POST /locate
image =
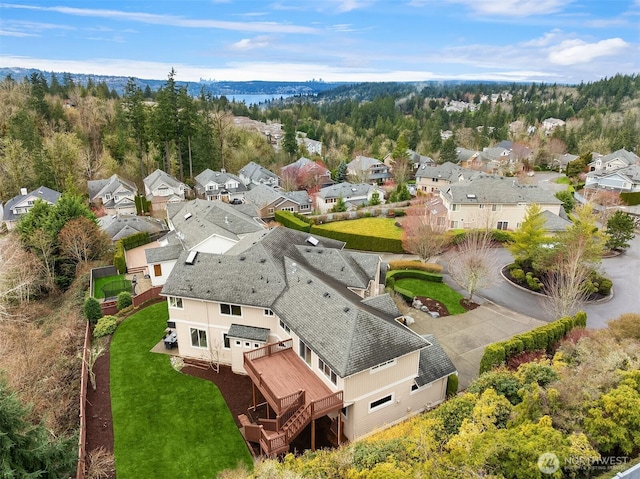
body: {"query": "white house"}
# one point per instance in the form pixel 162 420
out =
pixel 306 321
pixel 353 194
pixel 115 194
pixel 20 205
pixel 219 185
pixel 161 188
pixel 253 174
pixel 364 169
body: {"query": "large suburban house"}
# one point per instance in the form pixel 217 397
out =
pixel 313 147
pixel 306 173
pixel 219 185
pixel 18 206
pixel 309 323
pixel 118 227
pixel 253 174
pixel 202 226
pixel 353 194
pixel 617 171
pixel 432 179
pixel 614 161
pixel 268 200
pixel 417 160
pixel 488 201
pixel 364 169
pixel 116 195
pixel 161 188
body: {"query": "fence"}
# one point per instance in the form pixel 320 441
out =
pixel 154 292
pixel 84 378
pixel 100 273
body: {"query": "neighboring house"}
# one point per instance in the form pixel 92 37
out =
pixel 313 147
pixel 253 174
pixel 469 159
pixel 364 169
pixel 268 200
pixel 431 179
pixel 20 205
pixel 161 188
pixel 614 161
pixel 219 185
pixel 494 202
pixel 117 227
pixel 551 123
pixel 204 226
pixel 115 194
pixel 306 321
pixel 417 160
pixel 626 179
pixel 561 162
pixel 305 174
pixel 353 194
pixel 554 223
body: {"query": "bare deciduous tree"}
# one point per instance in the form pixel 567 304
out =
pixel 475 266
pixel 81 240
pixel 565 290
pixel 424 230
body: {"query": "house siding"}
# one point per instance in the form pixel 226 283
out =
pixel 472 216
pixel 362 383
pixel 166 268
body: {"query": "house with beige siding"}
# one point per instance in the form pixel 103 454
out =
pixel 310 324
pixel 161 188
pixel 353 194
pixel 430 179
pixel 489 201
pixel 115 194
pixel 268 200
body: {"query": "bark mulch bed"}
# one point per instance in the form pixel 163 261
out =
pixel 440 308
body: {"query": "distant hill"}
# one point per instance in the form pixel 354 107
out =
pixel 216 88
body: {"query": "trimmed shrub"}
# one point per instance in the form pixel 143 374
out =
pixel 517 274
pixel 399 213
pixel 124 300
pixel 502 236
pixel 92 310
pixel 631 199
pixel 390 282
pixel 411 273
pixel 452 385
pixel 605 286
pixel 361 242
pixel 287 218
pixel 580 320
pixel 119 259
pixel 405 293
pixel 533 282
pixel 494 355
pixel 106 326
pixel 411 264
pixel 537 372
pixel 513 346
pixel 501 381
pixel 136 240
pixel 527 340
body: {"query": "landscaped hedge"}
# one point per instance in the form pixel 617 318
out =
pixel 361 242
pixel 287 218
pixel 119 259
pixel 499 236
pixel 412 273
pixel 135 240
pixel 452 385
pixel 415 264
pixel 541 338
pixel 630 198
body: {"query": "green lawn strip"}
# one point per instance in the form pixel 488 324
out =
pixel 100 282
pixel 562 180
pixel 382 227
pixel 166 424
pixel 439 291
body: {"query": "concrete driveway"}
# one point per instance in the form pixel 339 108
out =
pixel 464 336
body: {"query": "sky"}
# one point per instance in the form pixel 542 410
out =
pixel 553 41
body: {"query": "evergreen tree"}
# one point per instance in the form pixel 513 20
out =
pixel 28 450
pixel 620 230
pixel 289 143
pixel 340 206
pixel 529 237
pixel 341 172
pixel 448 151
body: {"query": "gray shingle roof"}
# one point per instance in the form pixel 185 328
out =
pixel 159 176
pixel 384 303
pixel 248 332
pixel 489 189
pixel 263 195
pixel 553 222
pixel 434 362
pixel 121 226
pixel 208 218
pixel 43 193
pixel 164 253
pixel 257 173
pixel 340 330
pixel 447 171
pixel 346 190
pixel 220 178
pixel 98 188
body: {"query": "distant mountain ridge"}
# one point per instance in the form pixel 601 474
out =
pixel 216 88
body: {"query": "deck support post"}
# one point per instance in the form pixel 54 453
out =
pixel 253 393
pixel 339 427
pixel 313 434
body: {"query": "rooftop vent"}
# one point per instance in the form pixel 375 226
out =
pixel 471 196
pixel 346 309
pixel 326 295
pixel 242 258
pixel 187 216
pixel 262 261
pixel 309 281
pixel 312 241
pixel 191 258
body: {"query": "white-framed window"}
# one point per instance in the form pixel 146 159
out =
pixel 304 207
pixel 107 196
pixel 455 207
pixel 481 206
pixel 270 211
pixel 175 302
pixel 230 309
pixel 385 365
pixel 327 371
pixel 226 341
pixel 305 352
pixel 503 225
pixel 330 200
pixel 380 403
pixel 415 387
pixel 198 338
pixel 454 224
pixel 237 343
pixel 288 208
pixel 496 207
pixel 247 344
pixel 268 312
pixel 256 345
pixel 286 328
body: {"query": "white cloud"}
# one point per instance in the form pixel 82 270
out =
pixel 544 40
pixel 251 43
pixel 513 8
pixel 172 20
pixel 571 52
pixel 13 33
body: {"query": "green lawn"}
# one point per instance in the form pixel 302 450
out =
pixel 382 227
pixel 166 424
pixel 439 291
pixel 100 282
pixel 562 180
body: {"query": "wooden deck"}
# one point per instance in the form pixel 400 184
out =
pixel 292 390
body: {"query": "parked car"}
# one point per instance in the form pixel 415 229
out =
pixel 236 201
